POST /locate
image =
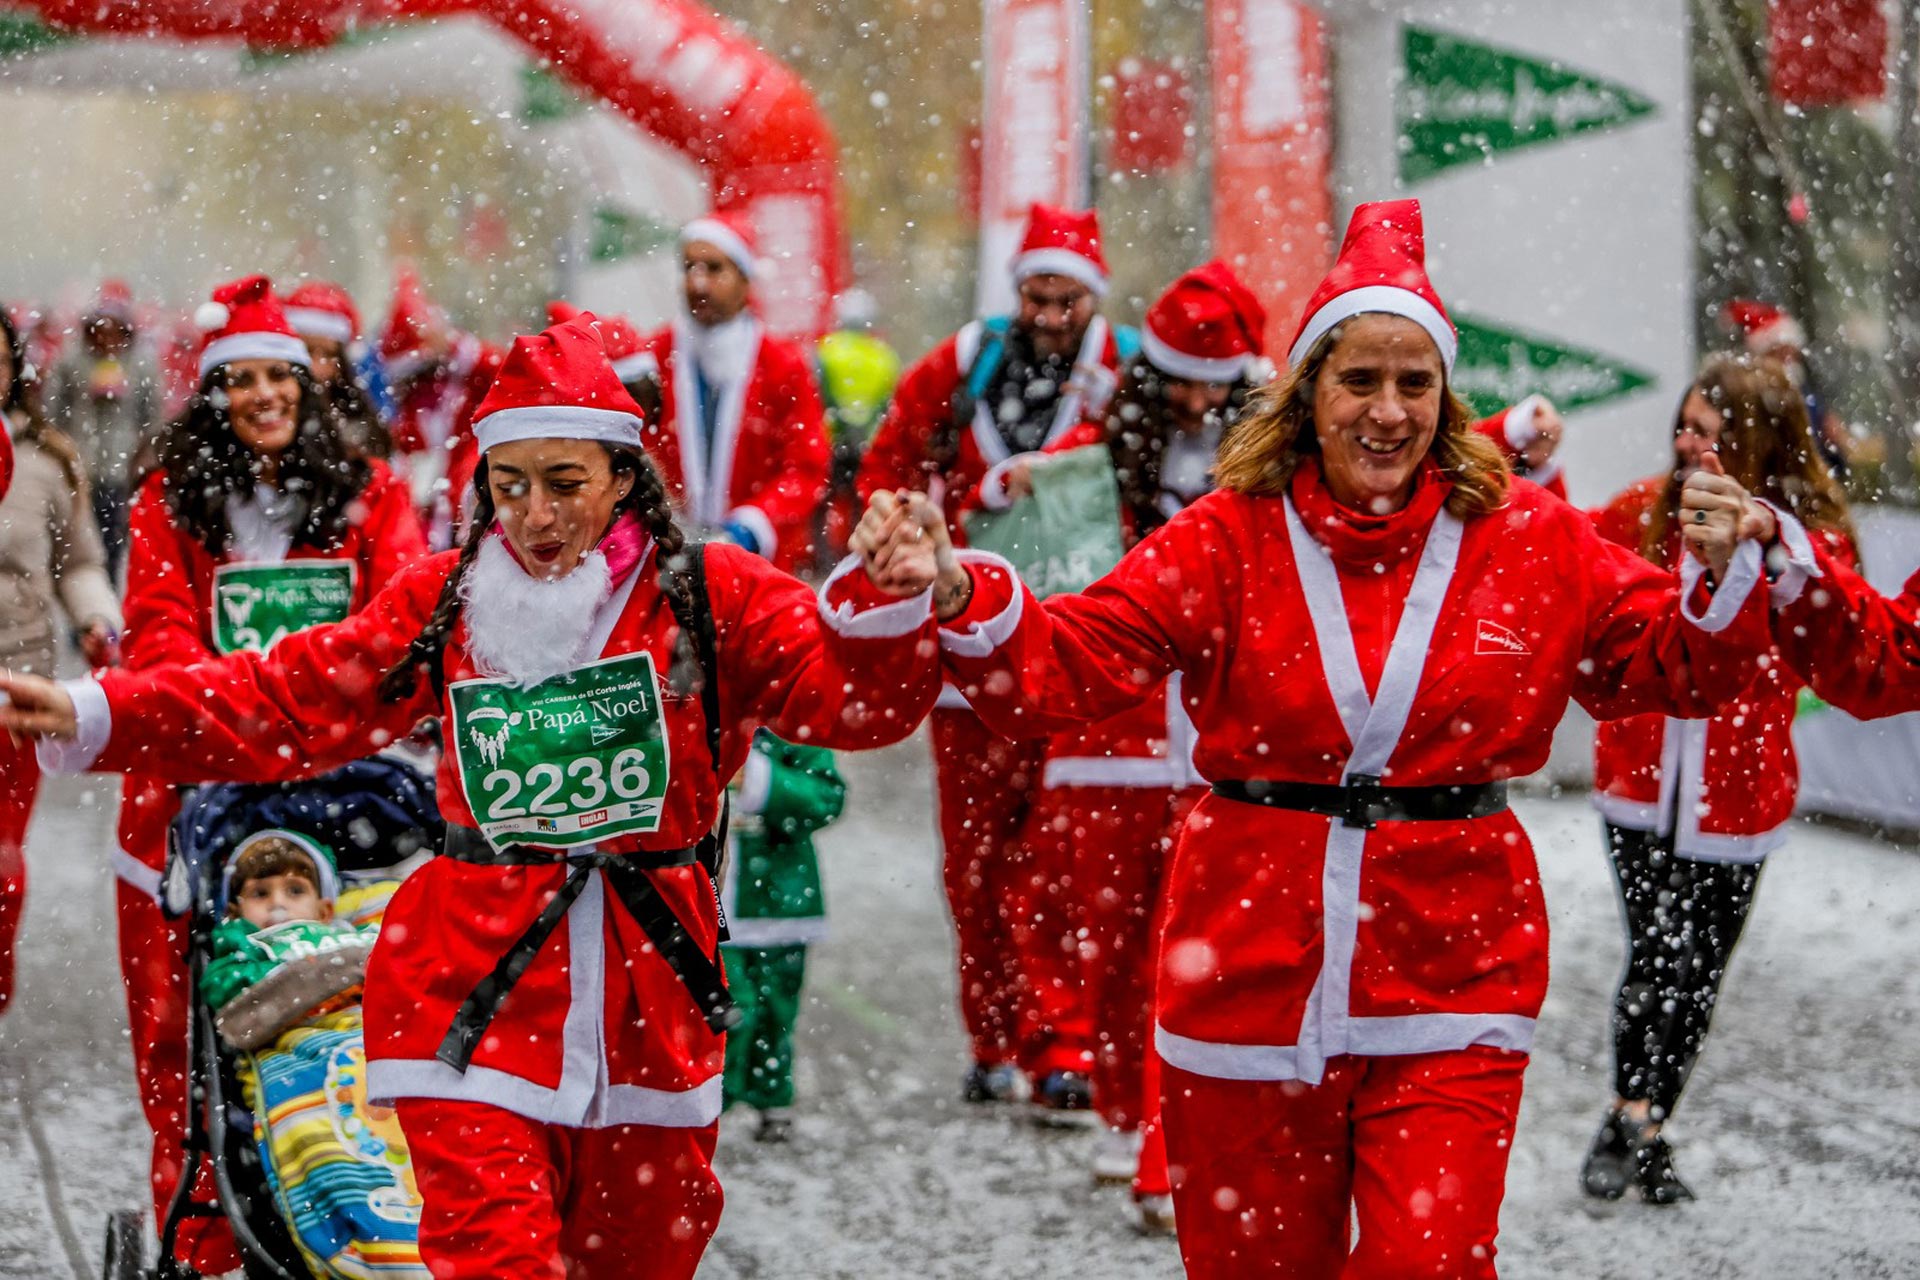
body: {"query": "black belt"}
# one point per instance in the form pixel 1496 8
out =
pixel 1362 802
pixel 699 972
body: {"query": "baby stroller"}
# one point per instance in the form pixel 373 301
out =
pixel 375 814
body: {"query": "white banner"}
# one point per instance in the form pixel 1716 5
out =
pixel 1033 129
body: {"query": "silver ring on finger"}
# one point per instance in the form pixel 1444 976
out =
pixel 1699 516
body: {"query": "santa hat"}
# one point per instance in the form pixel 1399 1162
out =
pixel 1765 326
pixel 413 320
pixel 729 231
pixel 625 347
pixel 1382 267
pixel 244 322
pixel 558 385
pixel 1062 242
pixel 1207 327
pixel 318 309
pixel 114 303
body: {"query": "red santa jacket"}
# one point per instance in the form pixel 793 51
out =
pixel 599 1031
pixel 1512 434
pixel 433 446
pixel 1859 650
pixel 1420 649
pixel 770 446
pixel 923 403
pixel 170 619
pixel 1723 788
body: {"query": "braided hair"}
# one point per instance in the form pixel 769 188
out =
pixel 1139 432
pixel 647 500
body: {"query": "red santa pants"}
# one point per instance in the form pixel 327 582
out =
pixel 1122 839
pixel 509 1196
pixel 153 968
pixel 1266 1172
pixel 19 784
pixel 985 786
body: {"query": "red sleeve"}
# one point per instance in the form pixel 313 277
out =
pixel 1858 649
pixel 394 539
pixel 165 620
pixel 307 705
pixel 1495 429
pixel 851 668
pixel 897 458
pixel 797 475
pixel 1030 669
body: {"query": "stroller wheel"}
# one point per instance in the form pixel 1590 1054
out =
pixel 126 1246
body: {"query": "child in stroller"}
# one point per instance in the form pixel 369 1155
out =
pixel 312 1177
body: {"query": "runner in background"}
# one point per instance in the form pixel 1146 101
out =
pixel 999 387
pixel 858 371
pixel 740 435
pixel 1529 434
pixel 324 316
pixel 1771 333
pixel 1692 808
pixel 255 525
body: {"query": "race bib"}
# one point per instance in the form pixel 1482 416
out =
pixel 256 605
pixel 578 758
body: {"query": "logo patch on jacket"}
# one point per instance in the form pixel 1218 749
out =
pixel 1490 637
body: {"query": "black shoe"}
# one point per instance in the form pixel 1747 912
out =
pixel 776 1127
pixel 989 1082
pixel 1063 1098
pixel 1609 1169
pixel 1653 1173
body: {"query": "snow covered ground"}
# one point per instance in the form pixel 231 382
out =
pixel 1800 1133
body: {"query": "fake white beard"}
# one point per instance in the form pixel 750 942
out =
pixel 530 629
pixel 723 350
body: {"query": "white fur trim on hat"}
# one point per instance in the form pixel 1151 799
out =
pixel 254 346
pixel 640 364
pixel 557 422
pixel 1784 331
pixel 1060 262
pixel 1179 364
pixel 1387 298
pixel 722 237
pixel 312 322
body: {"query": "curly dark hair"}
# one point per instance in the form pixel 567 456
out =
pixel 1139 432
pixel 647 499
pixel 205 463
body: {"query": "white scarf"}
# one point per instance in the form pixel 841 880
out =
pixel 724 352
pixel 530 629
pixel 260 526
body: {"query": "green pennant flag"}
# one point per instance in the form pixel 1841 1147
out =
pixel 545 97
pixel 22 35
pixel 620 233
pixel 1461 101
pixel 1499 366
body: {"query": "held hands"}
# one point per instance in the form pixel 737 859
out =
pixel 35 707
pixel 903 544
pixel 1716 514
pixel 100 646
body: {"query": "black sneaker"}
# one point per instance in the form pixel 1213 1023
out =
pixel 776 1127
pixel 1653 1173
pixel 1609 1169
pixel 990 1082
pixel 1063 1098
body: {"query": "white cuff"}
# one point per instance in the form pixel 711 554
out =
pixel 979 639
pixel 875 622
pixel 993 485
pixel 1791 561
pixel 1729 596
pixel 756 784
pixel 1520 427
pixel 93 726
pixel 758 525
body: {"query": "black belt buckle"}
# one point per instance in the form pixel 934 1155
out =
pixel 1363 801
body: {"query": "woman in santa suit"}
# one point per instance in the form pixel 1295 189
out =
pixel 257 523
pixel 1692 808
pixel 1376 627
pixel 544 1002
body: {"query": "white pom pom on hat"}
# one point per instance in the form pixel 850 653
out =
pixel 209 316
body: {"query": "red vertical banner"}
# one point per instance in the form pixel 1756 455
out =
pixel 1272 152
pixel 1827 52
pixel 1034 127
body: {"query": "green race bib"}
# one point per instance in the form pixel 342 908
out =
pixel 578 758
pixel 256 605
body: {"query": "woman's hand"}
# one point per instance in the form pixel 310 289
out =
pixel 1716 513
pixel 99 645
pixel 35 707
pixel 893 545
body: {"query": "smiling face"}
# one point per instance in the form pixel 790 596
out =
pixel 263 403
pixel 1376 408
pixel 1056 311
pixel 554 499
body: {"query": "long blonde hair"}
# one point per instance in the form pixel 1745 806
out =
pixel 1263 449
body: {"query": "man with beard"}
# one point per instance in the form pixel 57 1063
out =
pixel 740 435
pixel 1001 386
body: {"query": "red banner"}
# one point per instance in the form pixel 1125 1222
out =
pixel 1152 116
pixel 1827 52
pixel 1034 128
pixel 1272 152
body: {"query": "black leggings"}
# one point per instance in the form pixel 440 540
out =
pixel 1682 918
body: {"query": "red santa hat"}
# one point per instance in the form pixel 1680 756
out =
pixel 728 230
pixel 625 346
pixel 1382 267
pixel 1207 327
pixel 1764 326
pixel 244 321
pixel 1062 242
pixel 558 385
pixel 320 309
pixel 115 302
pixel 413 322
